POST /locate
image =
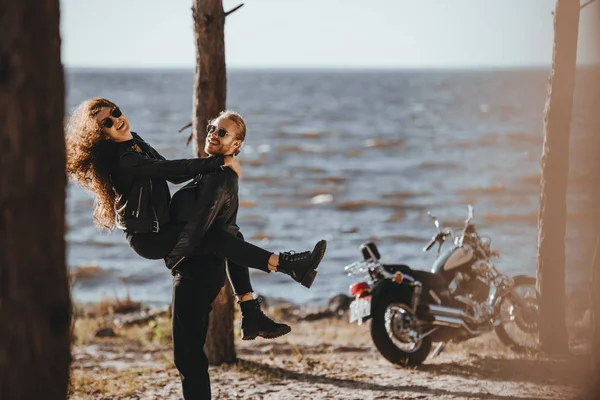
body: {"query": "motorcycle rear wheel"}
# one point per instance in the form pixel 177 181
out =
pixel 385 340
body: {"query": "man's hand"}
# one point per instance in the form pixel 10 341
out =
pixel 234 165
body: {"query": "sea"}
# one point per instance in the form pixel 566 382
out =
pixel 348 156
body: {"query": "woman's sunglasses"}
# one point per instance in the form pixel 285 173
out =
pixel 108 122
pixel 220 133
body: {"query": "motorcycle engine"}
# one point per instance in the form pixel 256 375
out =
pixel 470 286
pixel 477 290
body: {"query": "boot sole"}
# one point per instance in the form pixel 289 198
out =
pixel 266 335
pixel 311 274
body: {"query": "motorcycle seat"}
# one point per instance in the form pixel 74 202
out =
pixel 431 280
pixel 393 268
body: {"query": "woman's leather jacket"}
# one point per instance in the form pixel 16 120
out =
pixel 139 175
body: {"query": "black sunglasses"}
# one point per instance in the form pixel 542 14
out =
pixel 221 133
pixel 108 122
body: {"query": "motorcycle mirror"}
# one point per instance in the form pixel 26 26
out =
pixel 470 214
pixel 435 220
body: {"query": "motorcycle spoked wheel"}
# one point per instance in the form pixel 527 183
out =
pixel 525 321
pixel 391 334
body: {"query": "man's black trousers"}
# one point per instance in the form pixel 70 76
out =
pixel 196 284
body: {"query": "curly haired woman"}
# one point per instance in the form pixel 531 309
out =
pixel 128 179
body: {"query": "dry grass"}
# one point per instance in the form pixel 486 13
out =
pixel 154 333
pixel 86 272
pixel 114 384
pixel 85 329
pixel 90 318
pixel 160 332
pixel 110 307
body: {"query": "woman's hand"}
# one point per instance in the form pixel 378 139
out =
pixel 234 165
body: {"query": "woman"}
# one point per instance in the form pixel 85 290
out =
pixel 128 179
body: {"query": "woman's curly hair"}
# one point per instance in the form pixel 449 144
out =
pixel 88 159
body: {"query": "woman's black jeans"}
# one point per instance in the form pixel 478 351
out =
pixel 239 253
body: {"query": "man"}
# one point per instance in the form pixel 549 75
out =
pixel 199 269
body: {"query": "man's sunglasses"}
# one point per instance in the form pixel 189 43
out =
pixel 108 122
pixel 220 133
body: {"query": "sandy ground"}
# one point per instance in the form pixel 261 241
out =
pixel 329 359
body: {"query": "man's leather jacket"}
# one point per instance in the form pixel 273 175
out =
pixel 139 175
pixel 215 205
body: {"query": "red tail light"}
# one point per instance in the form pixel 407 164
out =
pixel 358 288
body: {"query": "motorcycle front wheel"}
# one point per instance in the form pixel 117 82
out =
pixel 394 333
pixel 519 316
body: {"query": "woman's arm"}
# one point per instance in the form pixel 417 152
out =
pixel 229 161
pixel 184 169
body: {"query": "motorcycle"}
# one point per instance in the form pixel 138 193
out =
pixel 463 296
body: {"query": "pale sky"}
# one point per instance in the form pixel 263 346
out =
pixel 319 33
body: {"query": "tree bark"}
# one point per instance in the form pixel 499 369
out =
pixel 593 90
pixel 220 347
pixel 210 82
pixel 555 170
pixel 35 305
pixel 210 86
pixel 595 307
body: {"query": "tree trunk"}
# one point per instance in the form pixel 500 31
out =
pixel 593 90
pixel 595 307
pixel 210 82
pixel 555 170
pixel 35 305
pixel 210 85
pixel 220 346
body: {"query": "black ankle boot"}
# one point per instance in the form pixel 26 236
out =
pixel 256 323
pixel 301 266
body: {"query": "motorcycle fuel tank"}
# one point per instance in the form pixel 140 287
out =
pixel 452 258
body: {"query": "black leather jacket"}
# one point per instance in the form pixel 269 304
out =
pixel 215 204
pixel 139 175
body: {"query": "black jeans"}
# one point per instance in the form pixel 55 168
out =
pixel 239 253
pixel 195 285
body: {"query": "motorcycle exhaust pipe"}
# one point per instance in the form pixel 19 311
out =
pixel 448 312
pixel 451 322
pixel 445 311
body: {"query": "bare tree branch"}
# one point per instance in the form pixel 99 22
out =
pixel 240 6
pixel 185 127
pixel 587 3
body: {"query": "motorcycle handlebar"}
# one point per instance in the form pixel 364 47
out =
pixel 430 244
